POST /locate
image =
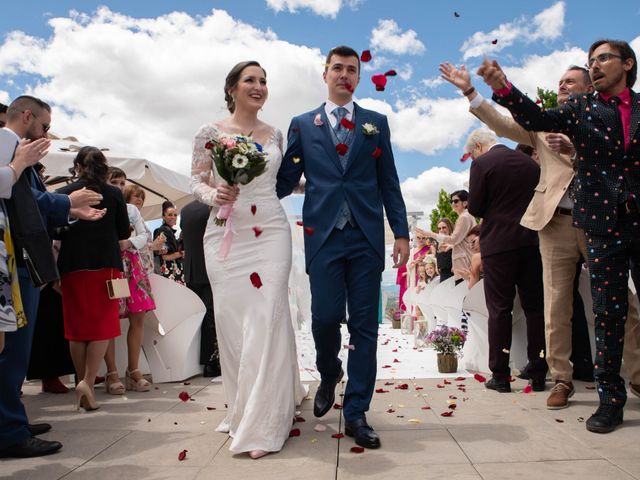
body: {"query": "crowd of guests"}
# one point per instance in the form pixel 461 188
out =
pixel 74 263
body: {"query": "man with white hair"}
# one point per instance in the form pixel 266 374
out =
pixel 501 185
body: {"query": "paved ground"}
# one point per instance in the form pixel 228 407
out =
pixel 489 436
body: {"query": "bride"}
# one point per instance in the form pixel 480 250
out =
pixel 253 323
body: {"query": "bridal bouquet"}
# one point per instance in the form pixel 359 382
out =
pixel 238 160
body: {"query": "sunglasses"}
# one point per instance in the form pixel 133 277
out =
pixel 422 238
pixel 45 126
pixel 455 201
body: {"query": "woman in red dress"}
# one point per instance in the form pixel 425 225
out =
pixel 89 258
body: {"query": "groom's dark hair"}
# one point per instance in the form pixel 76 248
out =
pixel 342 51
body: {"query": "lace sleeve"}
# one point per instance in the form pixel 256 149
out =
pixel 279 140
pixel 202 176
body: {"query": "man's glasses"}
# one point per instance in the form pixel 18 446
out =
pixel 602 58
pixel 45 126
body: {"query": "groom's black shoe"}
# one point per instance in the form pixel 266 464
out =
pixel 362 433
pixel 326 395
pixel 605 419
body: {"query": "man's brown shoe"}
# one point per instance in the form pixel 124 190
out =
pixel 635 389
pixel 560 394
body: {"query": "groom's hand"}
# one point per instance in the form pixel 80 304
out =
pixel 400 252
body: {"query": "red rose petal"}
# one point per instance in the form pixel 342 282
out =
pixel 342 148
pixel 394 350
pixel 208 146
pixel 465 157
pixel 309 230
pixel 460 379
pixel 389 383
pixel 379 80
pixel 299 223
pixel 419 388
pixel 211 408
pixel 511 379
pixel 349 87
pixel 446 382
pixel 257 231
pixel 184 396
pixel 377 152
pixel 453 397
pixel 538 101
pixel 182 455
pixel 365 56
pixel 255 280
pixel 295 432
pixel 391 410
pixel 479 378
pixel 527 389
pixel 402 386
pixel 253 209
pixel 440 386
pixel 357 449
pixel 559 420
pixel 381 390
pixel 495 42
pixel 337 435
pixel 299 419
pixel 426 407
pixel 386 366
pixel 347 124
pixel 395 360
pixel 448 413
pixel 337 406
pixel 390 73
pixel 452 406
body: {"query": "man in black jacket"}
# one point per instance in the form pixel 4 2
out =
pixel 193 223
pixel 604 129
pixel 501 185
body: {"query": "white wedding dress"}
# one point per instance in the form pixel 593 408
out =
pixel 255 333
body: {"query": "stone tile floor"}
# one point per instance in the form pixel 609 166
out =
pixel 489 436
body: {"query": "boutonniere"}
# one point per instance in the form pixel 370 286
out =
pixel 317 121
pixel 370 129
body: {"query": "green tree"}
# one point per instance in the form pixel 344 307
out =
pixel 443 210
pixel 547 98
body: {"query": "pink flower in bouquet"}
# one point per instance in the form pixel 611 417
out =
pixel 228 143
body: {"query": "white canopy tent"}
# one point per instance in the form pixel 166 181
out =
pixel 159 183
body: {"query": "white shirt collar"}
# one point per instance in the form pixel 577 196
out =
pixel 329 107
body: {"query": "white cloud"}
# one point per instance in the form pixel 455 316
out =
pixel 4 97
pixel 145 86
pixel 325 8
pixel 421 192
pixel 387 36
pixel 405 72
pixel 377 63
pixel 426 125
pixel 433 82
pixel 547 25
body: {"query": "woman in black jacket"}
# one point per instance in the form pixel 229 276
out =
pixel 89 259
pixel 171 258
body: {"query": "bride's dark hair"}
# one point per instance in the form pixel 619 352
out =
pixel 233 77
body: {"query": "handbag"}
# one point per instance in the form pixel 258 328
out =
pixel 118 288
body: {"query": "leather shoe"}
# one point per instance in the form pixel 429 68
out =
pixel 31 447
pixel 38 428
pixel 211 370
pixel 605 419
pixel 326 395
pixel 537 384
pixel 502 386
pixel 362 433
pixel 525 373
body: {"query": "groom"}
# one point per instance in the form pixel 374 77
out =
pixel 345 154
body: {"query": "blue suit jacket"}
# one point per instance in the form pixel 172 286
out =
pixel 367 183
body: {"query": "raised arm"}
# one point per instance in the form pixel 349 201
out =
pixel 524 110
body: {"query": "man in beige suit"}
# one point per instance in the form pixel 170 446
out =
pixel 549 213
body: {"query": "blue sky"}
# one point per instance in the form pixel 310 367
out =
pixel 418 112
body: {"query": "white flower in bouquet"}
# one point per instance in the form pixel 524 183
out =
pixel 239 161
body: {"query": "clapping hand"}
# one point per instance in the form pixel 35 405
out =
pixel 492 74
pixel 87 213
pixel 458 77
pixel 29 153
pixel 560 143
pixel 84 198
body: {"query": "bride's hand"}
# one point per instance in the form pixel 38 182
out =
pixel 227 194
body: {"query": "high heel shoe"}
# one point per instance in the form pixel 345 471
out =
pixel 85 398
pixel 141 385
pixel 114 388
pixel 255 454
